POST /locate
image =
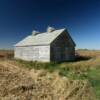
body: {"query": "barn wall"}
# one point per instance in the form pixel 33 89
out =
pixel 33 53
pixel 70 53
pixel 62 49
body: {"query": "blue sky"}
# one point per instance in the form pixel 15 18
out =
pixel 81 17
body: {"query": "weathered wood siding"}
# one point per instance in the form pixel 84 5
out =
pixel 33 53
pixel 62 49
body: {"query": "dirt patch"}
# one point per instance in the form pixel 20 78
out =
pixel 20 84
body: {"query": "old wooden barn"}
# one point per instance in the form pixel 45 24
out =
pixel 52 45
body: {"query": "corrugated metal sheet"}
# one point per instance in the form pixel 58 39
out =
pixel 40 39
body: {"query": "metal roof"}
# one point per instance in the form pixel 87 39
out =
pixel 40 39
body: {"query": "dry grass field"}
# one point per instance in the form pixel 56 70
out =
pixel 6 54
pixel 77 80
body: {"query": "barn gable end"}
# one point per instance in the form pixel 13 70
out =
pixel 62 48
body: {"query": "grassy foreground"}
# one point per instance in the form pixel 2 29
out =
pixel 86 67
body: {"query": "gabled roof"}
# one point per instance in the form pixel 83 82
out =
pixel 40 39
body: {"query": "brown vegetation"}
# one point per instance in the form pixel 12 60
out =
pixel 21 84
pixel 5 54
pixel 20 80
